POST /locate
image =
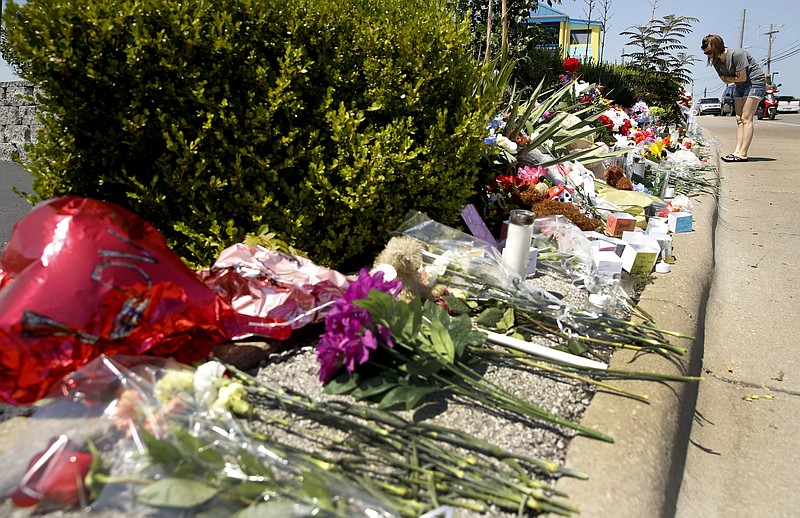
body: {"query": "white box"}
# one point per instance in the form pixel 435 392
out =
pixel 639 258
pixel 657 226
pixel 639 238
pixel 680 222
pixel 608 263
pixel 601 241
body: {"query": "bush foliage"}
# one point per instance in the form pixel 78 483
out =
pixel 325 120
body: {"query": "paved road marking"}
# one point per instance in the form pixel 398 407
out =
pixel 784 123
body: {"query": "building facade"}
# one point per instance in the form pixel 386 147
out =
pixel 575 37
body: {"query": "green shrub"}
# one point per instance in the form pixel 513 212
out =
pixel 325 120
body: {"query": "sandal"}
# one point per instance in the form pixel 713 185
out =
pixel 733 158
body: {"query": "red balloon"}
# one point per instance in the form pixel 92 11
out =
pixel 81 277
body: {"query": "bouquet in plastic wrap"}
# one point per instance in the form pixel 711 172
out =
pixel 472 270
pixel 149 437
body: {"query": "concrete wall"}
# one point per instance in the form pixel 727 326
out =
pixel 18 124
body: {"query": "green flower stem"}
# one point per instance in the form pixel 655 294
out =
pixel 404 437
pixel 521 358
pixel 491 394
pixel 548 329
pixel 646 376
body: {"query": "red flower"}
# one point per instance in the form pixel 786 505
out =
pixel 507 182
pixel 54 475
pixel 571 64
pixel 607 121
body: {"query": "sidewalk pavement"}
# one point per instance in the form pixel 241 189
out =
pixel 639 475
pixel 743 454
pixel 711 449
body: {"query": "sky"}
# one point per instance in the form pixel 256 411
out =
pixel 723 17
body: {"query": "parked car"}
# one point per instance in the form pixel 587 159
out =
pixel 727 101
pixel 788 104
pixel 709 106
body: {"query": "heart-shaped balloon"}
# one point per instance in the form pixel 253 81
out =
pixel 79 278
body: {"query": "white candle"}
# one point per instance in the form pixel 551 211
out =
pixel 543 352
pixel 517 250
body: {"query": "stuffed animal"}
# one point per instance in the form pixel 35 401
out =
pixel 616 178
pixel 404 253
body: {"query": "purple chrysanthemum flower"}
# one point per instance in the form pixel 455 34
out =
pixel 350 335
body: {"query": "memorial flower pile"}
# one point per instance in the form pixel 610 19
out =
pixel 405 351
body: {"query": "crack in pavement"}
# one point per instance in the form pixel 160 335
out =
pixel 753 385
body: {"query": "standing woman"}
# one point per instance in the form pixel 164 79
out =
pixel 737 66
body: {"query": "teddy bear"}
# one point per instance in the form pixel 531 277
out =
pixel 615 177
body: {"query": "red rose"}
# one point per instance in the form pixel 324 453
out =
pixel 571 64
pixel 54 475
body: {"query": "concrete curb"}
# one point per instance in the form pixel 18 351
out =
pixel 641 473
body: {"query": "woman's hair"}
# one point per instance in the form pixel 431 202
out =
pixel 713 43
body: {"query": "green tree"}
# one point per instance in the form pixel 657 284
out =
pixel 658 46
pixel 658 63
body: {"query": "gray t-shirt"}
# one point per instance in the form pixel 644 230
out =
pixel 737 59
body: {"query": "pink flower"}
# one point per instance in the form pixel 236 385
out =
pixel 530 175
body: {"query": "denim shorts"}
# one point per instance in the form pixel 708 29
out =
pixel 756 90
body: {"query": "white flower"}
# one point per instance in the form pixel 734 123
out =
pixel 580 87
pixel 681 202
pixel 174 383
pixel 507 144
pixel 232 397
pixel 206 380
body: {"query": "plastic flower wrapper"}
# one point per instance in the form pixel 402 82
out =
pixel 563 245
pixel 471 263
pixel 265 283
pixel 129 437
pixel 82 277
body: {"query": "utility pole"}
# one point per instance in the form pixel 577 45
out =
pixel 741 30
pixel 769 48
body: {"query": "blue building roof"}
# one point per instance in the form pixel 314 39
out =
pixel 545 14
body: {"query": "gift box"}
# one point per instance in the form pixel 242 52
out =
pixel 657 225
pixel 602 242
pixel 619 222
pixel 680 222
pixel 608 263
pixel 639 258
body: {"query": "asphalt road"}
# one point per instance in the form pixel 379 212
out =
pixel 13 207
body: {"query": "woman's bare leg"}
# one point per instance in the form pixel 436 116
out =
pixel 744 133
